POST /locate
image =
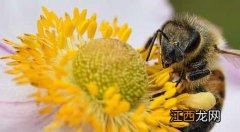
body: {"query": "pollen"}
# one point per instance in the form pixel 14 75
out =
pixel 111 63
pixel 114 103
pixel 92 89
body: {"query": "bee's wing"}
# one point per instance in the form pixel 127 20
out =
pixel 232 56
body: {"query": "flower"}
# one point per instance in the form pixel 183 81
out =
pixel 100 83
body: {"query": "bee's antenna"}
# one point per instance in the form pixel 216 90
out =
pixel 153 40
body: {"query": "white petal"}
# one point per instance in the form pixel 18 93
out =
pixel 8 89
pixel 22 117
pixel 231 107
pixel 143 16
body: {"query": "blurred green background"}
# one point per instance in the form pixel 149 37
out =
pixel 225 14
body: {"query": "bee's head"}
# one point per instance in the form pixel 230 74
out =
pixel 177 41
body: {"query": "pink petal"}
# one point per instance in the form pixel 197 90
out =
pixel 21 117
pixel 4 49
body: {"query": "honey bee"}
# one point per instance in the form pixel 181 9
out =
pixel 192 45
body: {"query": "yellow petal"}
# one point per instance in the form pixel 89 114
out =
pixel 83 27
pixel 92 29
pixel 142 127
pixel 171 102
pixel 162 79
pixel 168 85
pixel 124 37
pixel 170 92
pixel 161 130
pixel 157 102
pixel 151 121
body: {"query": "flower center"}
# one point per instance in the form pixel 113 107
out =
pixel 109 62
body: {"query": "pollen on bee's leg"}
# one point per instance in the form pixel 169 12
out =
pixel 202 100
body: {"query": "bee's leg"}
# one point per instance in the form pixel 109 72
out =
pixel 181 77
pixel 195 75
pixel 217 88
